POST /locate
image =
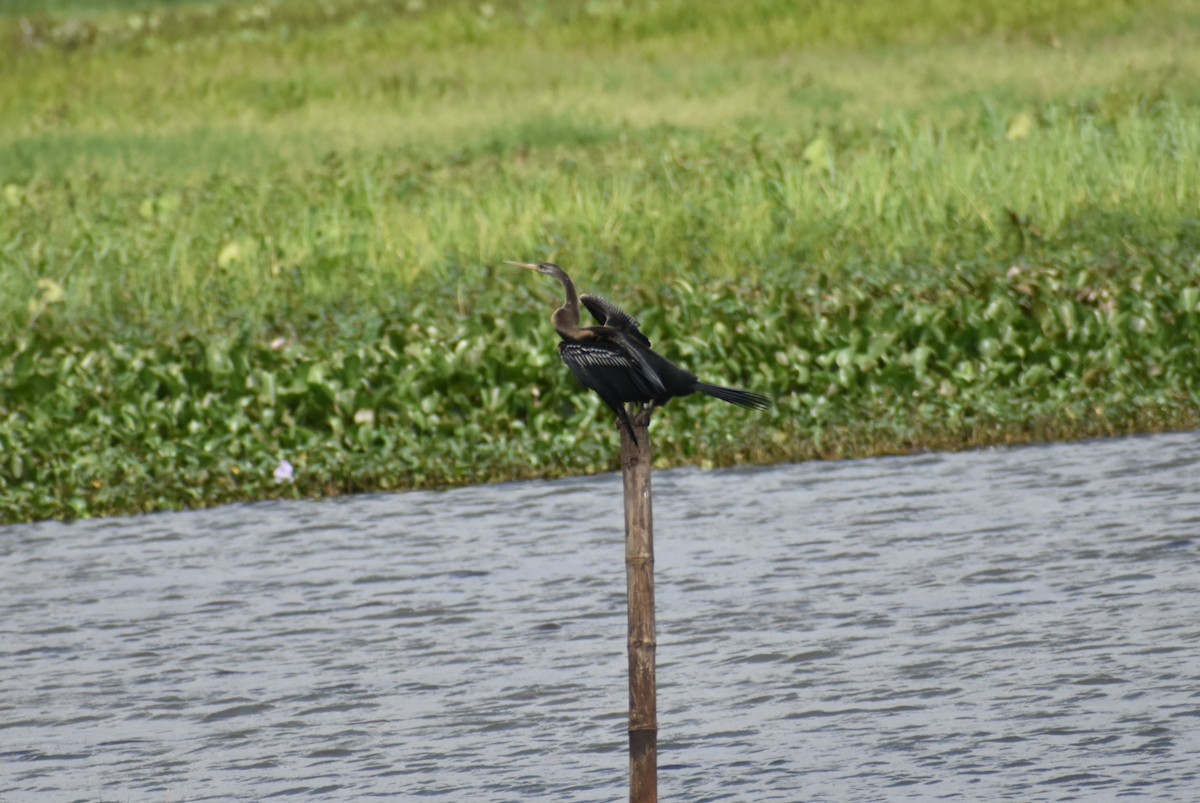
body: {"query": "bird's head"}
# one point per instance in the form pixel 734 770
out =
pixel 548 268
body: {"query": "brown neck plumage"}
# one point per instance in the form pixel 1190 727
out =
pixel 566 317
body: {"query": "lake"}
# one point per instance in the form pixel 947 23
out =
pixel 1017 624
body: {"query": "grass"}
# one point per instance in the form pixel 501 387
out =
pixel 234 233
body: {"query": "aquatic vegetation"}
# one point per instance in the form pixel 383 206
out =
pixel 407 398
pixel 249 249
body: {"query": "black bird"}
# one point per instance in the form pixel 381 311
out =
pixel 615 360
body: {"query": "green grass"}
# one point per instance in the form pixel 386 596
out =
pixel 233 233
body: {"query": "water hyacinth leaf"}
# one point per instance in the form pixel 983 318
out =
pixel 1189 300
pixel 919 358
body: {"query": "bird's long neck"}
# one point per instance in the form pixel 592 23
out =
pixel 566 317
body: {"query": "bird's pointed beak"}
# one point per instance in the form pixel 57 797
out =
pixel 526 265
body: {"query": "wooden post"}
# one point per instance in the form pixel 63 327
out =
pixel 639 575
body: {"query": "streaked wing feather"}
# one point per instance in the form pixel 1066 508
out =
pixel 637 353
pixel 591 355
pixel 608 370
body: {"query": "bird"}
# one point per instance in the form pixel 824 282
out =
pixel 614 358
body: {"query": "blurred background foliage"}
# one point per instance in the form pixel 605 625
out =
pixel 237 233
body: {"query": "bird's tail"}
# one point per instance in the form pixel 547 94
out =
pixel 744 398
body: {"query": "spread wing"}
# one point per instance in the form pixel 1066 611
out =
pixel 610 371
pixel 607 313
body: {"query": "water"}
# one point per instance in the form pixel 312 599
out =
pixel 1020 624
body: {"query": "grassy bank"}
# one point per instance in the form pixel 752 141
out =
pixel 239 233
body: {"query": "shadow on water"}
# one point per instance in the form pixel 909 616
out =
pixel 1018 624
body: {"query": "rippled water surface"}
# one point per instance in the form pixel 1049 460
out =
pixel 1019 624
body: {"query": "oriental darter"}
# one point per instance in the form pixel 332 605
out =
pixel 615 360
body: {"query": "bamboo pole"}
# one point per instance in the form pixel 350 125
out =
pixel 639 575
